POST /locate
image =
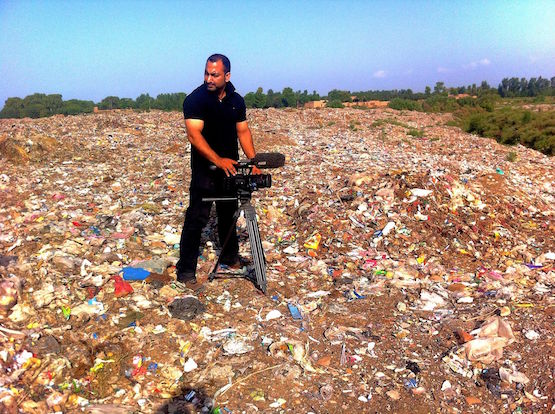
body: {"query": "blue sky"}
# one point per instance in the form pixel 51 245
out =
pixel 93 49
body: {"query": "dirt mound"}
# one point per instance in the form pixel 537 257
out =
pixel 35 148
pixel 410 268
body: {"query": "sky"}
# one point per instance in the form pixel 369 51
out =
pixel 93 49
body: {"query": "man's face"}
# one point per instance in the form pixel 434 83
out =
pixel 214 76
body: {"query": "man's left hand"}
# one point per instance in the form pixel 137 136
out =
pixel 255 170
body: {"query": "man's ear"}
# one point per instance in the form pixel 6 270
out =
pixel 227 76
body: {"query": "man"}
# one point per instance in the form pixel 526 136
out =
pixel 215 117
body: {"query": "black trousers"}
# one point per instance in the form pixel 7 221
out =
pixel 196 218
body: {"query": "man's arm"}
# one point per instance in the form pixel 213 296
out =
pixel 197 140
pixel 245 139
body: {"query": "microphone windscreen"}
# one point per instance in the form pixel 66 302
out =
pixel 269 160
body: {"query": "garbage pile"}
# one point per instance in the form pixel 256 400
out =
pixel 406 272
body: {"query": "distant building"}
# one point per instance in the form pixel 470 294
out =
pixel 462 95
pixel 316 104
pixel 367 104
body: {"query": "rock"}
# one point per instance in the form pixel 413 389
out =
pixel 186 308
pixel 393 394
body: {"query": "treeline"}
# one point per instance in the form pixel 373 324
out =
pixel 438 99
pixel 40 105
pixel 514 87
pixel 284 99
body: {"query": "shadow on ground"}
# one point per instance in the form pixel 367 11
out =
pixel 188 401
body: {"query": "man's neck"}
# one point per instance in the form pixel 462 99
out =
pixel 221 94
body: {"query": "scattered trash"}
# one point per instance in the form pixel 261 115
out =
pixel 273 314
pixel 8 295
pixel 490 339
pixel 326 392
pixel 237 346
pixel 186 308
pixel 122 288
pixel 133 273
pixel 393 394
pixel 190 365
pixel 393 257
pixel 532 335
pixel 294 310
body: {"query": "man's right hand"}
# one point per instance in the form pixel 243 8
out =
pixel 228 165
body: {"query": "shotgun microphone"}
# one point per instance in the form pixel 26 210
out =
pixel 268 160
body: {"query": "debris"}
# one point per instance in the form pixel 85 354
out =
pixel 392 255
pixel 393 394
pixel 273 314
pixel 190 365
pixel 489 341
pixel 186 308
pixel 532 335
pixel 237 346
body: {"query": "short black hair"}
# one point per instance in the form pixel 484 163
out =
pixel 225 61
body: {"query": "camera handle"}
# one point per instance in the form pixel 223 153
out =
pixel 257 272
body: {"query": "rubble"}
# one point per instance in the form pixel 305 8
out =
pixel 402 271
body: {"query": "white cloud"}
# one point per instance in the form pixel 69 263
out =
pixel 379 74
pixel 475 64
pixel 441 69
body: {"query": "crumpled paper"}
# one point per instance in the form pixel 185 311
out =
pixel 489 341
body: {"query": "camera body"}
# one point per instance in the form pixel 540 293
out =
pixel 247 182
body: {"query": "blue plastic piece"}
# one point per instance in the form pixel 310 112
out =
pixel 135 273
pixel 295 313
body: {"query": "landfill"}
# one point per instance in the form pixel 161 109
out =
pixel 405 273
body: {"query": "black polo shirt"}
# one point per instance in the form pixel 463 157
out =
pixel 220 129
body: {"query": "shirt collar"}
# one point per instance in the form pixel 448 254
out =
pixel 229 89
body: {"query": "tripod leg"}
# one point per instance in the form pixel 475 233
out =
pixel 256 247
pixel 231 230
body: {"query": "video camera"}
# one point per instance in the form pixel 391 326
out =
pixel 246 182
pixel 243 184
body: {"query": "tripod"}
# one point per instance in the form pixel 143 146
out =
pixel 256 272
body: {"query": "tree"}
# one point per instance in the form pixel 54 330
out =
pixel 126 103
pixel 144 101
pixel 110 102
pixel 427 91
pixel 76 106
pixel 13 108
pixel 503 87
pixel 484 86
pixel 338 95
pixel 440 89
pixel 288 97
pixel 273 99
pixel 169 101
pixel 259 98
pixel 53 104
pixel 249 100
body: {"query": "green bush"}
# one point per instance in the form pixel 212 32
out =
pixel 418 133
pixel 511 156
pixel 513 126
pixel 334 104
pixel 405 104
